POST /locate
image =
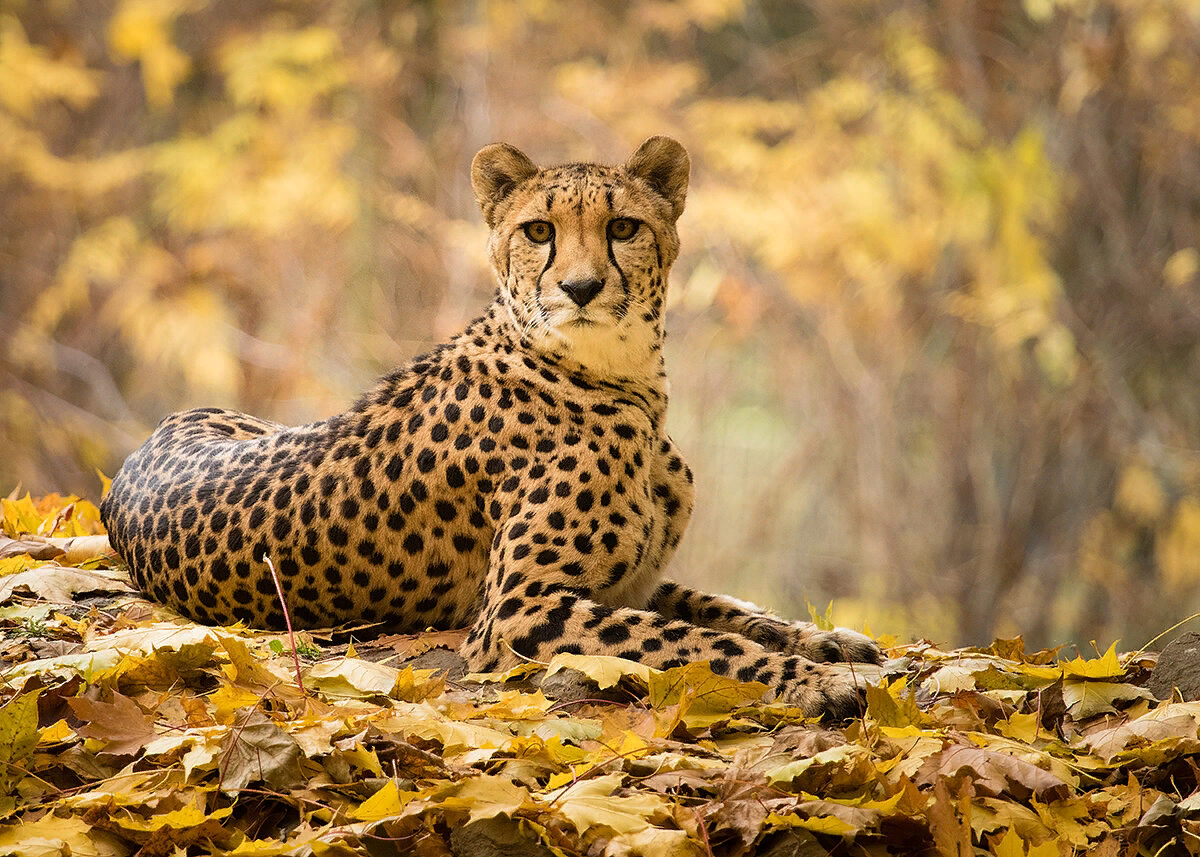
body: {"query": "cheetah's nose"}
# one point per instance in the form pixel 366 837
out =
pixel 582 291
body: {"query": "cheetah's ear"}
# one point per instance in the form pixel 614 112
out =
pixel 496 170
pixel 663 164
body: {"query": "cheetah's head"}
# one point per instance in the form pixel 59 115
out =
pixel 582 251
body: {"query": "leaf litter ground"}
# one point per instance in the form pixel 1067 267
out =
pixel 127 730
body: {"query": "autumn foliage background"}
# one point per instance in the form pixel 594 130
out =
pixel 934 337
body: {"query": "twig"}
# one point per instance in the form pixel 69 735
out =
pixel 287 618
pixel 1157 637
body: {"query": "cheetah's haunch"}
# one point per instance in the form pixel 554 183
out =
pixel 517 479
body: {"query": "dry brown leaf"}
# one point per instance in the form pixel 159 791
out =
pixel 256 749
pixel 121 724
pixel 993 773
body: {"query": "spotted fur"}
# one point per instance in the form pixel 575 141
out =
pixel 517 479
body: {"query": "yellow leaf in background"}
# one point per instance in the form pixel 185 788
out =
pixel 140 30
pixel 1182 267
pixel 1178 549
pixel 32 75
pixel 284 69
pixel 1139 493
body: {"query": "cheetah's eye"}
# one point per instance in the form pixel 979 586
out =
pixel 623 228
pixel 539 231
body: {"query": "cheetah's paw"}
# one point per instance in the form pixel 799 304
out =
pixel 839 645
pixel 832 692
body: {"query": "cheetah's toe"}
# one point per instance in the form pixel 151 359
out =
pixel 840 645
pixel 831 692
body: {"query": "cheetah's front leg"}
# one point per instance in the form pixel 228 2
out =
pixel 723 613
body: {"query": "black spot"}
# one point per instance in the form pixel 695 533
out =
pixel 338 536
pixel 509 608
pixel 446 511
pixel 584 500
pixel 610 635
pixel 413 543
pixel 464 544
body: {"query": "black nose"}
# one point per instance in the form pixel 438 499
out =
pixel 582 291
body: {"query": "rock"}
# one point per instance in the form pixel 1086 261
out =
pixel 1178 667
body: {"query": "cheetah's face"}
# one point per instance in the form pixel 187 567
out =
pixel 582 251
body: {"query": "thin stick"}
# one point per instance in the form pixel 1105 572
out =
pixel 287 618
pixel 1157 637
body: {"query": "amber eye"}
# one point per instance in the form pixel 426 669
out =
pixel 539 231
pixel 623 228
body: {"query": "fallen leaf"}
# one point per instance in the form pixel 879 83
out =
pixel 605 670
pixel 993 773
pixel 62 585
pixel 257 749
pixel 353 678
pixel 589 803
pixel 121 725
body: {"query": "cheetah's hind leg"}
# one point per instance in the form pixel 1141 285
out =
pixel 725 613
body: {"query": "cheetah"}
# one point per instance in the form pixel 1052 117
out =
pixel 517 480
